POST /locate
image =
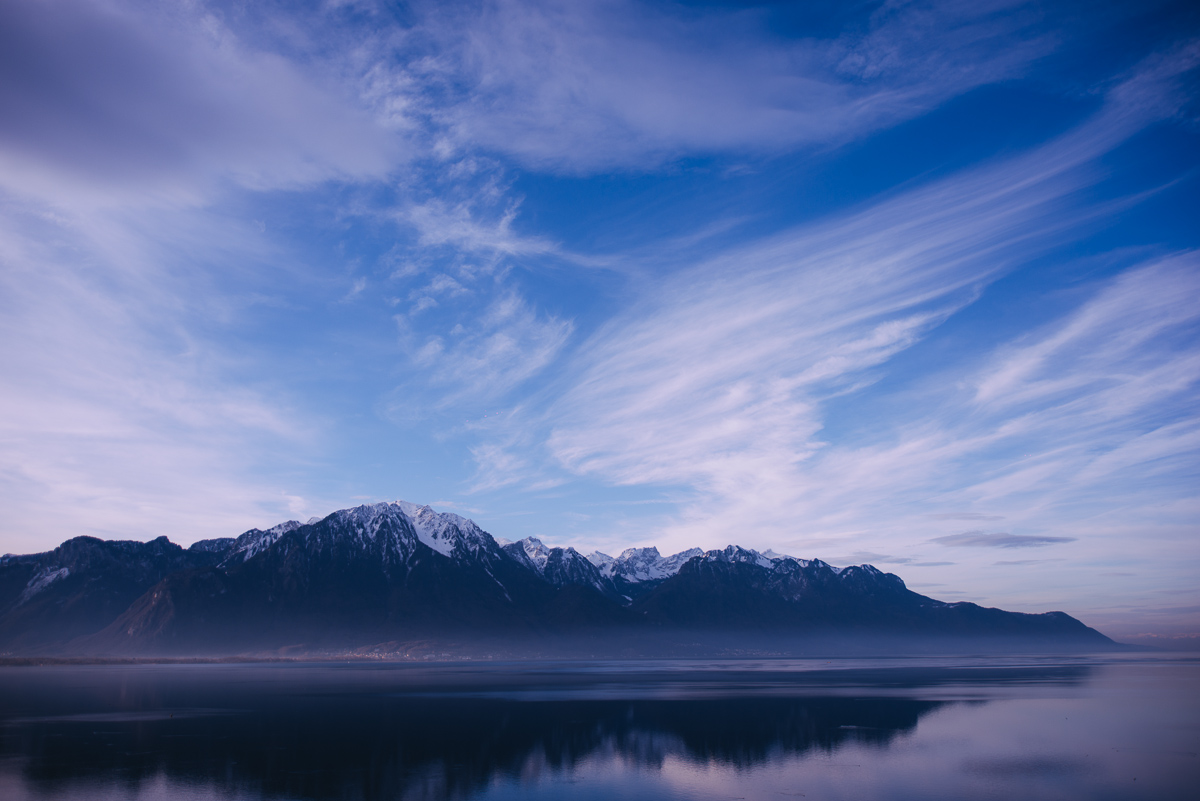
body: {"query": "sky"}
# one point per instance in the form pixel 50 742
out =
pixel 914 284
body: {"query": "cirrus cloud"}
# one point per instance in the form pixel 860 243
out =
pixel 998 539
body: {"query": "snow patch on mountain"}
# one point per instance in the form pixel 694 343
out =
pixel 600 560
pixel 41 581
pixel 736 553
pixel 255 541
pixel 444 532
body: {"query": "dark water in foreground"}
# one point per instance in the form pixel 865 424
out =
pixel 1013 728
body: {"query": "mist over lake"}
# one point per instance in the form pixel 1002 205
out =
pixel 1125 727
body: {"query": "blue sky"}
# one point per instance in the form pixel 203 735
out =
pixel 915 284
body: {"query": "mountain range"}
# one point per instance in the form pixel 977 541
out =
pixel 398 578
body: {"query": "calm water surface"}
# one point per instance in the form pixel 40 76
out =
pixel 1027 728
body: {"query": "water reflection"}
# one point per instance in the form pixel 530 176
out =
pixel 447 732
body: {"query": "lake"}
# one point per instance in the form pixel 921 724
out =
pixel 1103 727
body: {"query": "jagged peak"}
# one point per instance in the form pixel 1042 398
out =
pixel 557 565
pixel 538 552
pixel 736 553
pixel 599 559
pixel 531 551
pixel 645 564
pixel 396 522
pixel 639 553
pixel 456 536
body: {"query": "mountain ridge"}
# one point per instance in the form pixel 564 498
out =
pixel 397 571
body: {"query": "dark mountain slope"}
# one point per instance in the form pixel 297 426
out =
pixel 717 594
pixel 81 586
pixel 352 579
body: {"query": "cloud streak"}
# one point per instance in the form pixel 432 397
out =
pixel 105 103
pixel 508 343
pixel 581 86
pixel 983 539
pixel 721 381
pixel 119 418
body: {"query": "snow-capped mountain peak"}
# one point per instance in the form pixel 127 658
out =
pixel 537 552
pixel 402 522
pixel 600 560
pixel 636 565
pixel 558 566
pixel 736 553
pixel 391 530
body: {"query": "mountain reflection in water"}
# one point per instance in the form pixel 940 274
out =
pixel 442 732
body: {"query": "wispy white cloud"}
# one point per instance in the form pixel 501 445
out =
pixel 136 137
pixel 109 102
pixel 998 539
pixel 1119 327
pixel 131 136
pixel 117 418
pixel 498 465
pixel 721 380
pixel 355 290
pixel 587 85
pixel 460 225
pixel 504 345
